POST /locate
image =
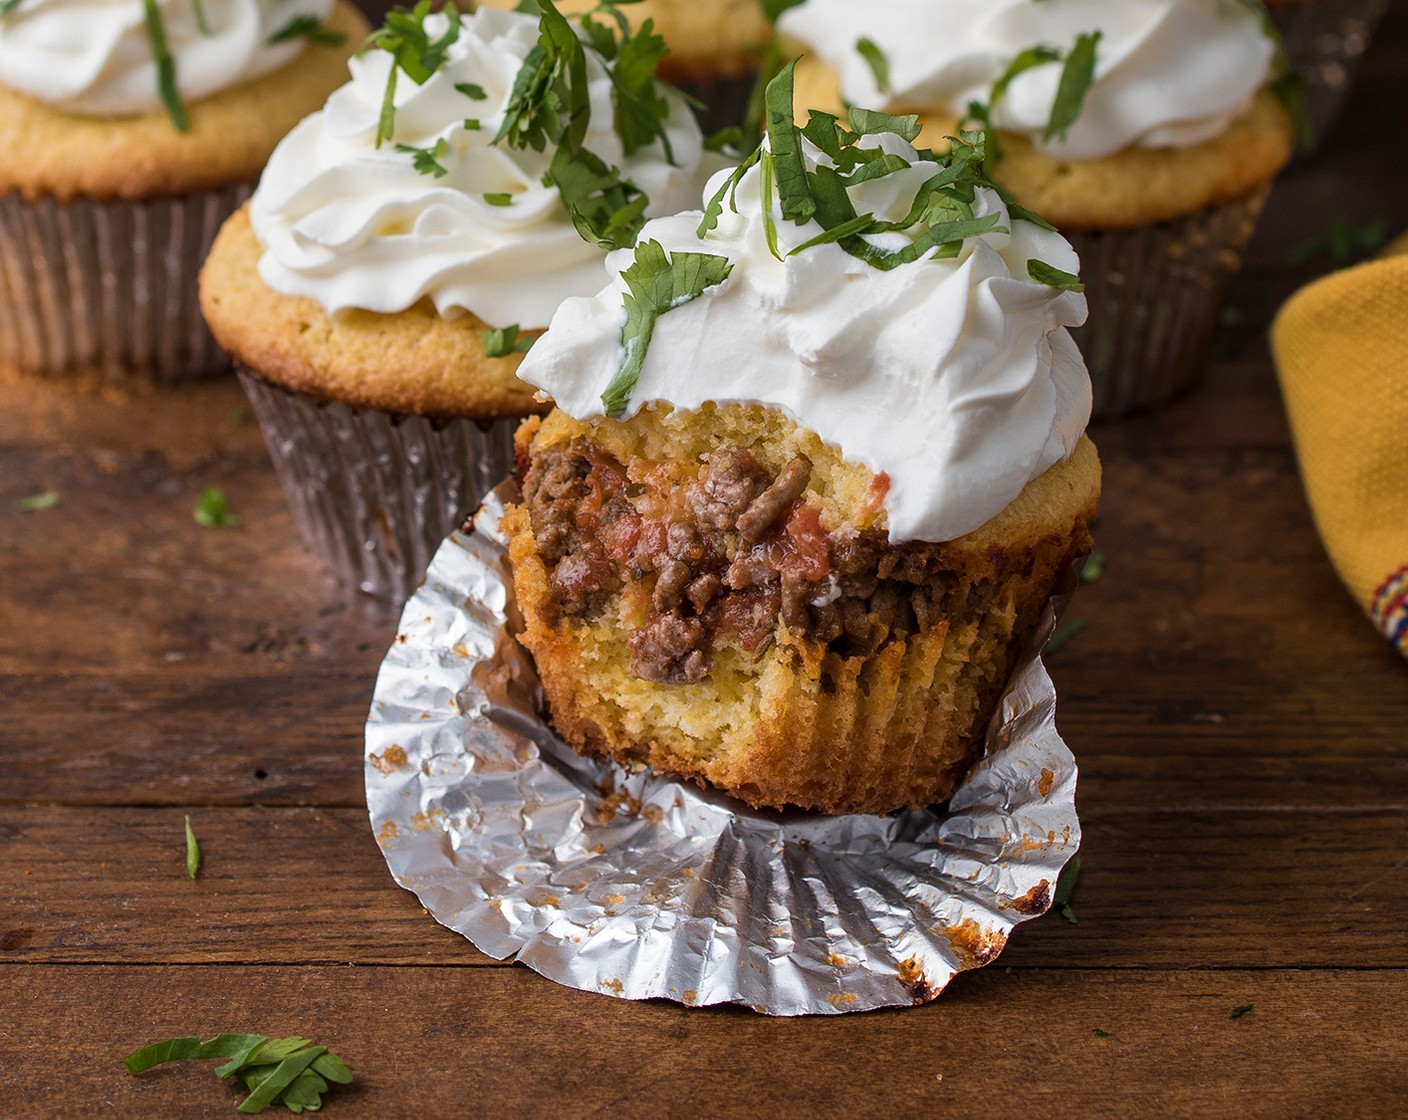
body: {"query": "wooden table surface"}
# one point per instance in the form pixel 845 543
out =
pixel 1240 730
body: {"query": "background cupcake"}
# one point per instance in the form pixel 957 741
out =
pixel 1146 130
pixel 131 136
pixel 402 249
pixel 715 47
pixel 816 468
pixel 1325 39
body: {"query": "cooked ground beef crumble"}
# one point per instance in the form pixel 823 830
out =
pixel 725 547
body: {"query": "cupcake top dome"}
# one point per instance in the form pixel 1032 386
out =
pixel 434 173
pixel 103 58
pixel 1166 73
pixel 886 299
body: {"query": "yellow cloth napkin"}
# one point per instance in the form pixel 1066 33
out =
pixel 1341 347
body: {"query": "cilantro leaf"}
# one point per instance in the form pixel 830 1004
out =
pixel 1093 568
pixel 427 160
pixel 1065 887
pixel 165 64
pixel 785 144
pixel 413 53
pixel 502 341
pixel 310 28
pixel 192 851
pixel 291 1071
pixel 37 503
pixel 876 60
pixel 213 511
pixel 1052 276
pixel 1238 1012
pixel 1076 78
pixel 550 104
pixel 658 283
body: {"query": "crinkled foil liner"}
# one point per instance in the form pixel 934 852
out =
pixel 1325 39
pixel 373 492
pixel 108 289
pixel 641 887
pixel 1155 294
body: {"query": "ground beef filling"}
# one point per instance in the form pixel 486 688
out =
pixel 723 549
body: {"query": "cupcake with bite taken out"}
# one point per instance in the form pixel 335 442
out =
pixel 132 131
pixel 1147 131
pixel 815 470
pixel 403 248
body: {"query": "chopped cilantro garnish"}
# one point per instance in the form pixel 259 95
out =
pixel 427 160
pixel 291 1071
pixel 550 104
pixel 499 198
pixel 1044 273
pixel 1065 887
pixel 1077 74
pixel 310 28
pixel 413 53
pixel 658 283
pixel 192 851
pixel 502 341
pixel 165 65
pixel 1099 1033
pixel 1238 1012
pixel 472 91
pixel 37 503
pixel 213 511
pixel 201 24
pixel 876 60
pixel 1093 568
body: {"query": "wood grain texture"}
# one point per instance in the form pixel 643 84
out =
pixel 1240 729
pixel 1173 889
pixel 503 1042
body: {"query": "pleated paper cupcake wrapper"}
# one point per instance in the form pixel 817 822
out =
pixel 1325 40
pixel 1155 295
pixel 373 492
pixel 724 100
pixel 108 290
pixel 638 886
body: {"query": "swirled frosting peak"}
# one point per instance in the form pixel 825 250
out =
pixel 439 211
pixel 1168 73
pixel 95 57
pixel 943 362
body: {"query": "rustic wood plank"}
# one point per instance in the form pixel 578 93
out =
pixel 505 1042
pixel 1221 667
pixel 303 886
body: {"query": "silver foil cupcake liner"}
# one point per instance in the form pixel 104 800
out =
pixel 373 492
pixel 1325 39
pixel 1155 295
pixel 639 886
pixel 108 289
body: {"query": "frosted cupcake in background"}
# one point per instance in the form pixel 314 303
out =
pixel 403 248
pixel 131 131
pixel 816 468
pixel 1325 40
pixel 1147 131
pixel 715 47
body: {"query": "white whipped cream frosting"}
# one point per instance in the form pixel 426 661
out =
pixel 351 225
pixel 957 378
pixel 94 57
pixel 1169 73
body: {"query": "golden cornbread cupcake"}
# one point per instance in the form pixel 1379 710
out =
pixel 403 248
pixel 1148 131
pixel 715 47
pixel 1325 41
pixel 132 137
pixel 816 468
